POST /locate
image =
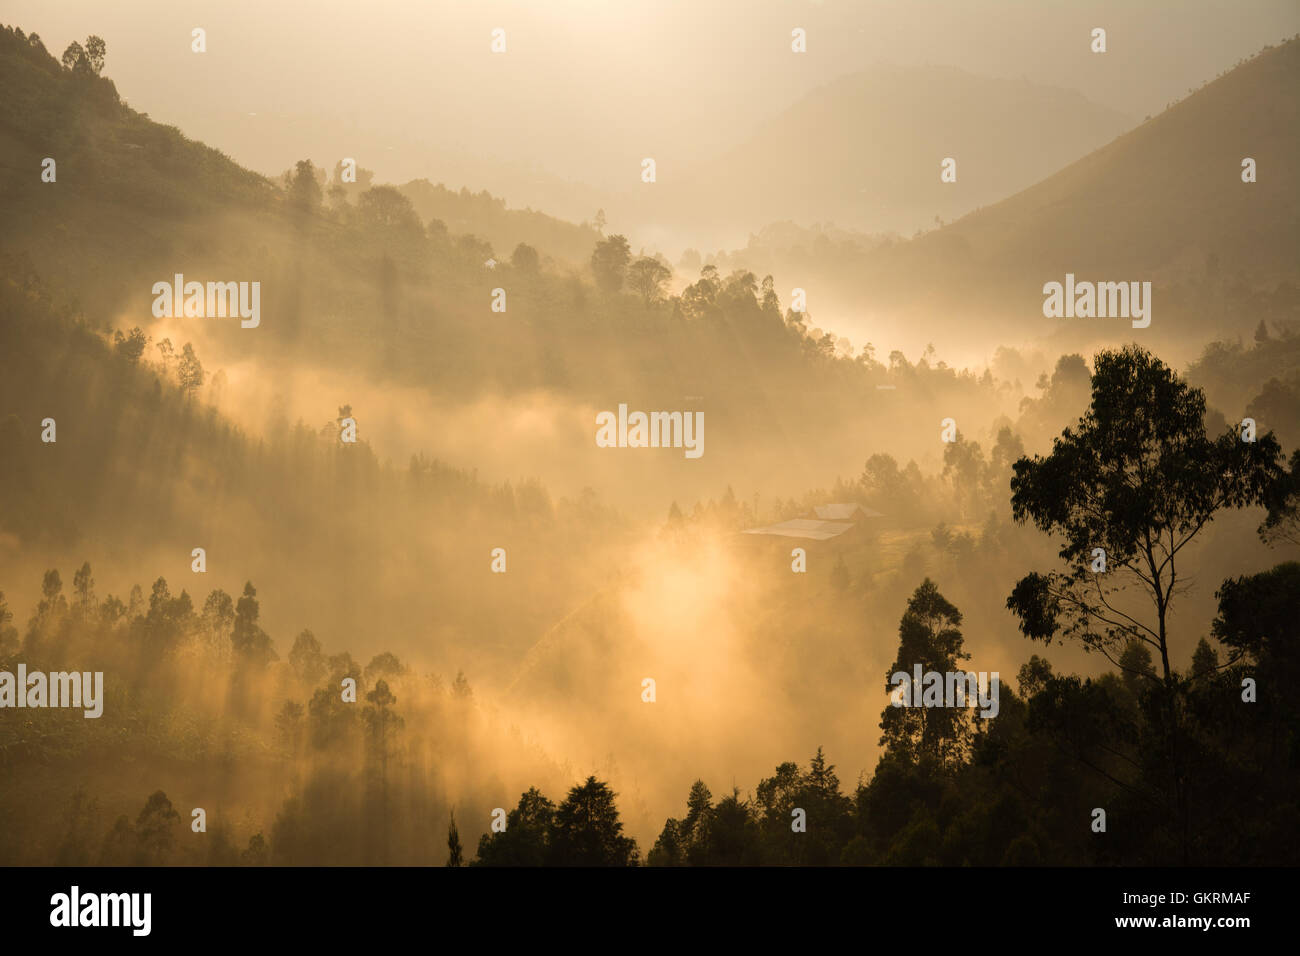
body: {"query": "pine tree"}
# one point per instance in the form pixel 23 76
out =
pixel 454 853
pixel 587 832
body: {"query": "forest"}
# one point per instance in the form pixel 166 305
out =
pixel 1111 526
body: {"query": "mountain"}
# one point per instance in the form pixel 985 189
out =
pixel 132 198
pixel 487 217
pixel 865 150
pixel 1163 203
pixel 129 197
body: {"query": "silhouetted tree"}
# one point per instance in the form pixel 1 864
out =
pixel 249 641
pixel 130 346
pixel 609 262
pixel 189 371
pixel 305 192
pixel 288 725
pixel 256 853
pixel 74 57
pixel 96 50
pixel 453 842
pixel 1282 523
pixel 1138 478
pixel 587 832
pixel 306 659
pixel 647 278
pixel 153 828
pixel 928 634
pixel 526 839
pixel 8 633
pixel 525 258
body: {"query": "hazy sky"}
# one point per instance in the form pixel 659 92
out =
pixel 586 87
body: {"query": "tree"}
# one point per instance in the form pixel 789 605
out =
pixel 1132 485
pixel 647 278
pixel 733 835
pixel 822 779
pixel 382 722
pixel 384 664
pixel 1260 614
pixel 50 613
pixel 385 209
pixel 700 299
pixel 526 838
pixel 454 853
pixel 776 796
pixel 829 813
pixel 587 832
pixel 1138 478
pixel 667 850
pixel 1283 500
pixel 525 258
pixel 130 346
pixel 609 262
pixel 1205 660
pixel 8 633
pixel 1007 450
pixel 218 619
pixel 331 721
pixel 248 640
pixel 693 838
pixel 116 850
pixel 963 466
pixel 167 353
pixel 888 487
pixel 83 585
pixel 79 821
pixel 190 371
pixel 306 659
pixel 74 57
pixel 96 50
pixel 305 192
pixel 928 635
pixel 288 725
pixel 257 851
pixel 168 621
pixel 1136 667
pixel 153 828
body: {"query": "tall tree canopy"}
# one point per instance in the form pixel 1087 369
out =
pixel 1131 485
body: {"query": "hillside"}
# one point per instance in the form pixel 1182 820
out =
pixel 880 170
pixel 1164 202
pixel 129 195
pixel 132 197
pixel 488 217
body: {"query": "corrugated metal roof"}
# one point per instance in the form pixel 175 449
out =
pixel 804 528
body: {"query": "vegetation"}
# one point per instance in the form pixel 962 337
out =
pixel 238 691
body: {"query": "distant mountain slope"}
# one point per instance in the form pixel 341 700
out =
pixel 129 193
pixel 133 199
pixel 487 217
pixel 1164 203
pixel 864 152
pixel 1173 184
